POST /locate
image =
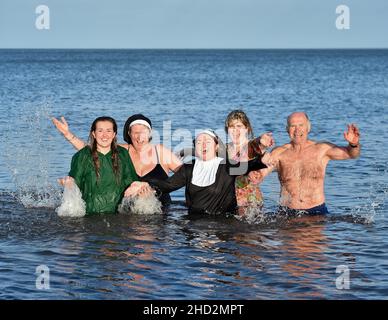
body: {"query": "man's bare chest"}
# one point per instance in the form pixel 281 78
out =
pixel 301 166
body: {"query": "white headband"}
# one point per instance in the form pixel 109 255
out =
pixel 143 122
pixel 208 132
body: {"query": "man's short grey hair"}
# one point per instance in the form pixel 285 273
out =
pixel 305 114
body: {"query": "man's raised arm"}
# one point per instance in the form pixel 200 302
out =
pixel 351 151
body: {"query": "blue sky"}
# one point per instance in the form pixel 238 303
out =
pixel 194 24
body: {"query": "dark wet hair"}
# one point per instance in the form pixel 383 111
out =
pixel 138 116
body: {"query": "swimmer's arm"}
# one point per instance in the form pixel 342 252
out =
pixel 129 173
pixel 274 157
pixel 352 151
pixel 175 182
pixel 184 154
pixel 261 175
pixel 77 168
pixel 63 128
pixel 169 159
pixel 264 142
pixel 256 164
pixel 256 177
pixel 244 167
pixel 342 153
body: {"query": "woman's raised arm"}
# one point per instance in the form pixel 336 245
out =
pixel 63 128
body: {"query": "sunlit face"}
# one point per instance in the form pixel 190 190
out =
pixel 140 135
pixel 205 147
pixel 104 134
pixel 298 128
pixel 237 131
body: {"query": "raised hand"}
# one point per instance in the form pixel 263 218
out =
pixel 267 140
pixel 352 135
pixel 61 125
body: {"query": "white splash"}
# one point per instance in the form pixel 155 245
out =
pixel 28 160
pixel 140 205
pixel 378 195
pixel 72 203
pixel 252 214
pixel 38 196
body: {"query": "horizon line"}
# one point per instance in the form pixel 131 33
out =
pixel 118 48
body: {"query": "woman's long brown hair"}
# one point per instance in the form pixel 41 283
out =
pixel 113 147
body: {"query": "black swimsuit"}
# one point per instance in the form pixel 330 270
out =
pixel 157 173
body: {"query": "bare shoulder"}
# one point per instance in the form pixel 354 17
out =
pixel 324 145
pixel 167 158
pixel 124 145
pixel 276 152
pixel 166 155
pixel 162 149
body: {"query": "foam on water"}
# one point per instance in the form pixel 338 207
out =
pixel 38 197
pixel 72 203
pixel 378 194
pixel 374 201
pixel 251 215
pixel 256 215
pixel 140 205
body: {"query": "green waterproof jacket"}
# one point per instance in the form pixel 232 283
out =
pixel 102 195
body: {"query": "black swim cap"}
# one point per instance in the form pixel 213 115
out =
pixel 127 125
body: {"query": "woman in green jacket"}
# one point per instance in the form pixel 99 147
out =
pixel 102 170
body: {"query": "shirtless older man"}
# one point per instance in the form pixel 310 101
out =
pixel 301 165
